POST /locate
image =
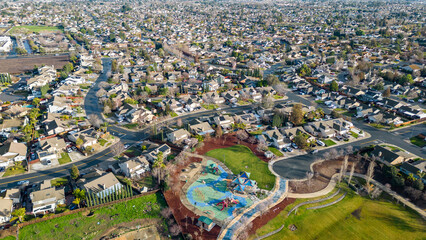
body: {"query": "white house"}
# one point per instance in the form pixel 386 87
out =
pixel 134 167
pixel 103 185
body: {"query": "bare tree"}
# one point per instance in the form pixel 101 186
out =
pixel 101 92
pixel 242 135
pixel 175 230
pixel 351 172
pixel 261 147
pixel 117 148
pixel 267 101
pixel 95 120
pixel 280 88
pixel 166 212
pixel 179 122
pixel 370 175
pixel 345 163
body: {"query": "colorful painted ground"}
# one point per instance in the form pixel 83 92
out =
pixel 209 190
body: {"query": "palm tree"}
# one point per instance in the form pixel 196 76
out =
pixel 411 177
pixel 79 195
pixel 421 174
pixel 20 213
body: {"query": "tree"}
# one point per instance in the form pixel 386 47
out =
pixel 334 86
pixel 386 93
pixel 272 79
pixel 95 120
pixel 79 142
pixel 117 148
pixel 301 141
pixel 36 102
pixel 267 102
pixel 351 172
pixel 75 173
pixel 296 116
pixel 370 175
pixel 277 121
pixel 19 213
pixel 219 131
pixel 79 196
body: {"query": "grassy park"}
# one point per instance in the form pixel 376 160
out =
pixel 17 169
pixel 34 29
pixel 240 158
pixel 354 217
pixel 81 226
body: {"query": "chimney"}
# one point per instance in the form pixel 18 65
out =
pixel 103 186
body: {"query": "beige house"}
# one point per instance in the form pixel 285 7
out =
pixel 6 207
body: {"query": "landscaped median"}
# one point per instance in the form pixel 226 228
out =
pixel 240 158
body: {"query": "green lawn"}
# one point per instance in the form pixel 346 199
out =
pixel 319 101
pixel 79 226
pixel 35 29
pixel 173 114
pixel 329 142
pixel 59 181
pixel 355 135
pixel 393 148
pixel 9 238
pixel 377 125
pixel 278 97
pixel 378 219
pixel 240 158
pixel 418 141
pixel 65 158
pixel 209 106
pixel 102 141
pixel 131 125
pixel 17 169
pixel 276 151
pixel 257 132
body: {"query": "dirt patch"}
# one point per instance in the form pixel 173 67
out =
pixel 24 64
pixel 269 215
pixel 323 173
pixel 183 216
pixel 228 140
pixel 128 226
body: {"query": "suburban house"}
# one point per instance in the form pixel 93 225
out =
pixel 89 137
pixel 49 148
pixel 153 150
pixel 389 157
pixel 275 138
pixel 56 126
pixel 225 121
pixel 178 135
pixel 132 113
pixel 134 167
pixel 293 132
pixel 59 105
pixel 14 150
pixel 247 118
pixel 414 168
pixel 73 80
pixel 6 208
pixel 45 198
pixel 13 194
pixel 103 186
pixel 201 128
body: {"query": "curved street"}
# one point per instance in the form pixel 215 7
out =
pixel 289 168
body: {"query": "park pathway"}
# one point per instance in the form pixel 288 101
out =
pixel 236 226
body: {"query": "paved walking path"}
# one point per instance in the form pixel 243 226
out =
pixel 313 201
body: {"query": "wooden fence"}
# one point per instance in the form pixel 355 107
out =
pixel 37 220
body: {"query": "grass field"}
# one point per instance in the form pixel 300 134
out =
pixel 276 151
pixel 9 238
pixel 209 106
pixel 65 158
pixel 131 125
pixel 392 148
pixel 102 141
pixel 418 141
pixel 33 29
pixel 355 135
pixel 329 142
pixel 378 219
pixel 240 158
pixel 79 226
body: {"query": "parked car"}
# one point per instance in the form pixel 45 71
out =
pixel 314 151
pixel 294 145
pixel 321 143
pixel 126 146
pixel 339 138
pixel 290 149
pixel 23 182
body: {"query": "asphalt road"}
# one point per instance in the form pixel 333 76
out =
pixel 295 167
pixel 8 95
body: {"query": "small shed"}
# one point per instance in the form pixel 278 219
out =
pixel 206 223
